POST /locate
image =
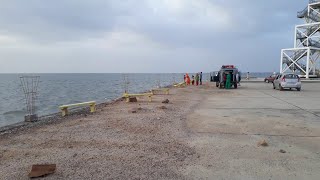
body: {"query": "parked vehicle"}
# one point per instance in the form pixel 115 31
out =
pixel 270 79
pixel 220 77
pixel 287 81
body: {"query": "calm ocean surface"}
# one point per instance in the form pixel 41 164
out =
pixel 57 89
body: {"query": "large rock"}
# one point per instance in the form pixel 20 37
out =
pixel 133 99
pixel 162 107
pixel 282 151
pixel 133 111
pixel 263 143
pixel 31 118
pixel 166 101
pixel 42 170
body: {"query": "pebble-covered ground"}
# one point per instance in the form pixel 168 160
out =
pixel 254 132
pixel 113 143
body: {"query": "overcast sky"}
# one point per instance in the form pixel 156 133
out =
pixel 106 36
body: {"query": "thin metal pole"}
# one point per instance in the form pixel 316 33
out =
pixel 281 62
pixel 308 61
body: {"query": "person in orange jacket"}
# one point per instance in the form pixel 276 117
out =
pixel 187 79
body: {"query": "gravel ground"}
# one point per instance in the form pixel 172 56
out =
pixel 203 133
pixel 113 143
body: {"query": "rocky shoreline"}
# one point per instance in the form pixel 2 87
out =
pixel 113 142
pixel 50 118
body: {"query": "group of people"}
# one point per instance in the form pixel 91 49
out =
pixel 194 80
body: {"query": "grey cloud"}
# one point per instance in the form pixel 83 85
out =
pixel 254 24
pixel 56 20
pixel 64 19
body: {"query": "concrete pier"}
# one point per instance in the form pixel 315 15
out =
pixel 203 133
pixel 228 125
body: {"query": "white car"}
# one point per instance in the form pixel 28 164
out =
pixel 287 81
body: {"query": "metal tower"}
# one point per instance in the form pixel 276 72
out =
pixel 304 57
pixel 30 88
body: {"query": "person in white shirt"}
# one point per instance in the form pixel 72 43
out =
pixel 238 79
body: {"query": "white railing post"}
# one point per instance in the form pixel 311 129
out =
pixel 307 65
pixel 281 62
pixel 295 36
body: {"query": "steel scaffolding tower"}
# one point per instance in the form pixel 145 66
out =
pixel 304 57
pixel 30 88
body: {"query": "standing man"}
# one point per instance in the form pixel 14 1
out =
pixel 197 79
pixel 238 78
pixel 201 78
pixel 192 80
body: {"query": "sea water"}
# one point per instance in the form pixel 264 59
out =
pixel 58 89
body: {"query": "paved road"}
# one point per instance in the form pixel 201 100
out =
pixel 229 123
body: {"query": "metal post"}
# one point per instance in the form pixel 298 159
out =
pixel 281 62
pixel 295 37
pixel 126 83
pixel 308 61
